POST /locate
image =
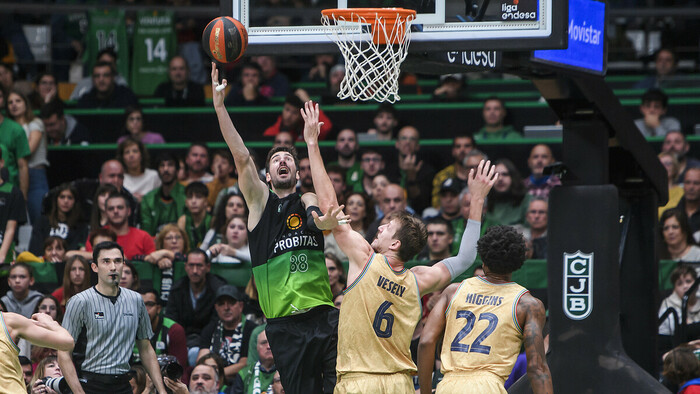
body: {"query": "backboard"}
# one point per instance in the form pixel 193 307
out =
pixel 294 26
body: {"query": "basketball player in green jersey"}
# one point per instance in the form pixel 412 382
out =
pixel 485 320
pixel 290 272
pixel 382 304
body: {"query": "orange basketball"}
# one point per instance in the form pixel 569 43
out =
pixel 225 39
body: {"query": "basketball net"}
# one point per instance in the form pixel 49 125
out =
pixel 372 66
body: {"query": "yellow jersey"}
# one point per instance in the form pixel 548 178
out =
pixel 11 379
pixel 378 316
pixel 482 333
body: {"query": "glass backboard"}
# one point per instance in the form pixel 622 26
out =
pixel 294 26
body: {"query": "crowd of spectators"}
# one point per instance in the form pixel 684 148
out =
pixel 187 212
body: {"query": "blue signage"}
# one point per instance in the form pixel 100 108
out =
pixel 586 49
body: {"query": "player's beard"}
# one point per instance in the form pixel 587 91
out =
pixel 284 185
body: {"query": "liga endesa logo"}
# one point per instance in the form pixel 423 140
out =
pixel 519 10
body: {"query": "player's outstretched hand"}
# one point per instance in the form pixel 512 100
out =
pixel 217 91
pixel 312 127
pixel 333 218
pixel 482 179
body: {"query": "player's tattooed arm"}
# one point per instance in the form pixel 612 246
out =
pixel 531 311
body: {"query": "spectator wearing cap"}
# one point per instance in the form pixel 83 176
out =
pixel 450 209
pixel 229 334
pixel 655 123
pixel 449 198
pixel 463 153
pixel 452 88
pixel 290 120
pixel 191 301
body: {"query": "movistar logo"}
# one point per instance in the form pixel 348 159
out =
pixel 578 285
pixel 585 34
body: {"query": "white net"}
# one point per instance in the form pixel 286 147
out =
pixel 372 67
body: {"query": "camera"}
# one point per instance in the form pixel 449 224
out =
pixel 58 385
pixel 169 367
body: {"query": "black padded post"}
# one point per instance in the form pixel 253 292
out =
pixel 606 209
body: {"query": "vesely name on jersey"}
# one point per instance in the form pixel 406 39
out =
pixel 480 299
pixel 391 286
pixel 294 241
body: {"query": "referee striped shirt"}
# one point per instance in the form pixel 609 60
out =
pixel 109 325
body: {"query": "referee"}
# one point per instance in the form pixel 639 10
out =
pixel 105 320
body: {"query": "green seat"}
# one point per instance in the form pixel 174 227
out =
pixel 44 273
pixel 235 274
pixel 148 273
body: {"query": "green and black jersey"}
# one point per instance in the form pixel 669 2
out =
pixel 287 256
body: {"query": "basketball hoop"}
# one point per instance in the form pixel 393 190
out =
pixel 372 66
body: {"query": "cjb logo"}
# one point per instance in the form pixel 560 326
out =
pixel 578 285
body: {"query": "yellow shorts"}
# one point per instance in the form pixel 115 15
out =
pixel 374 383
pixel 468 383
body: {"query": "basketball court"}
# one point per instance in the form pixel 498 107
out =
pixel 601 263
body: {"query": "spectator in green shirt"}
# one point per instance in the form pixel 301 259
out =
pixel 166 203
pixel 494 113
pixel 15 150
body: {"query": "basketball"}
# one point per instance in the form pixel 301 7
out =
pixel 225 39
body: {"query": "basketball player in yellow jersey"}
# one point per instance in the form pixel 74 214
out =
pixel 40 330
pixel 485 320
pixel 381 307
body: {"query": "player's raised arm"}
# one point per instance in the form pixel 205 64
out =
pixel 254 190
pixel 322 183
pixel 349 241
pixel 437 277
pixel 530 310
pixel 432 332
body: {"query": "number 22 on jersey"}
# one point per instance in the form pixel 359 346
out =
pixel 476 346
